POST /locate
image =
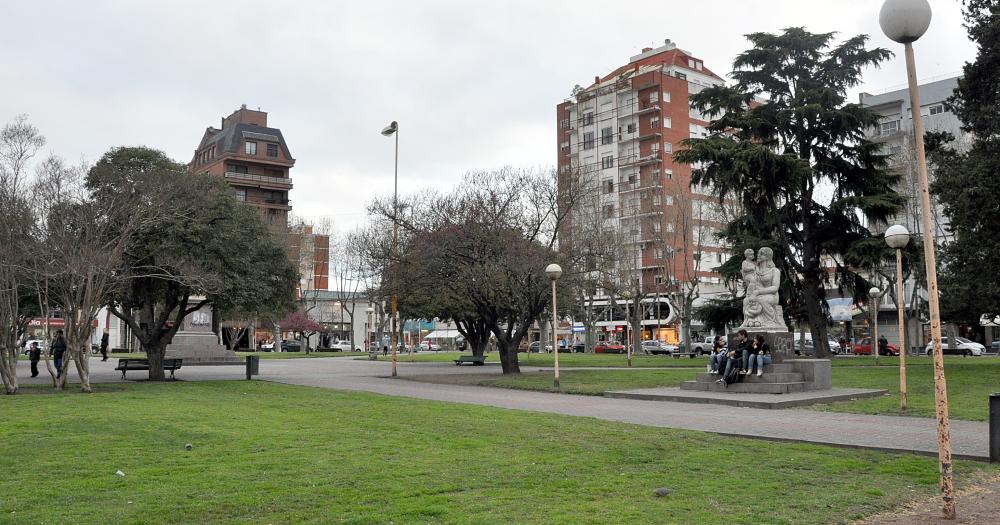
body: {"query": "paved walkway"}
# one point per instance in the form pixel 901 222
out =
pixel 970 440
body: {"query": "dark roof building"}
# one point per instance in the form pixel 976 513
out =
pixel 253 159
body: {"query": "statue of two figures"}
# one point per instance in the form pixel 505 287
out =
pixel 762 311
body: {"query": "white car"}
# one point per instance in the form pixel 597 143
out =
pixel 343 345
pixel 963 347
pixel 27 345
pixel 654 347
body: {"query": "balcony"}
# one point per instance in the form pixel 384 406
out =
pixel 641 161
pixel 252 179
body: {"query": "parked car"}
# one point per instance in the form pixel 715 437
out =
pixel 535 346
pixel 807 347
pixel 703 345
pixel 266 346
pixel 864 347
pixel 342 345
pixel 609 348
pixel 27 345
pixel 291 346
pixel 963 347
pixel 579 348
pixel 995 347
pixel 656 347
pixel 428 346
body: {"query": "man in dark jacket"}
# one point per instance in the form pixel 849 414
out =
pixel 883 345
pixel 104 346
pixel 35 355
pixel 58 350
pixel 734 365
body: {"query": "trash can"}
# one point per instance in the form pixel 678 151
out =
pixel 995 427
pixel 253 365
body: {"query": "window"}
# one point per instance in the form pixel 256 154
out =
pixel 241 194
pixel 670 200
pixel 656 200
pixel 588 140
pixel 668 147
pixel 680 75
pixel 251 148
pixel 670 174
pixel 564 123
pixel 238 168
pixel 564 145
pixel 718 257
pixel 655 150
pixel 609 211
pixel 608 161
pixel 631 178
pixel 607 136
pixel 631 128
pixel 588 118
pixel 656 227
pixel 670 227
pixel 666 122
pixel 654 123
pixel 654 97
pixel 272 150
pixel 889 127
pixel 935 110
pixel 608 186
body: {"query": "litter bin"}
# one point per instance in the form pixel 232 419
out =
pixel 995 427
pixel 253 365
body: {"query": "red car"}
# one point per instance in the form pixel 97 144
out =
pixel 609 348
pixel 864 347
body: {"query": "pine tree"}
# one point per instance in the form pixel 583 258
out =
pixel 786 143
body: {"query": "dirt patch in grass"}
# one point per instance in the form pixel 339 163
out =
pixel 977 504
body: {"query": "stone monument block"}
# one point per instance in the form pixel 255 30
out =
pixel 195 342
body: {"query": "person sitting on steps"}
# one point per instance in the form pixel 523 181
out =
pixel 718 358
pixel 758 356
pixel 734 362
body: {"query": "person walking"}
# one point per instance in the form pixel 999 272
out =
pixel 35 355
pixel 58 347
pixel 883 345
pixel 104 346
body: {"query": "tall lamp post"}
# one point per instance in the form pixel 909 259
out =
pixel 393 130
pixel 897 237
pixel 875 294
pixel 554 271
pixel 369 328
pixel 905 21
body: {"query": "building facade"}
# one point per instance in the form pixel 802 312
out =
pixel 253 159
pixel 618 136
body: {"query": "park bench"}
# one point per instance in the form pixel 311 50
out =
pixel 476 360
pixel 124 365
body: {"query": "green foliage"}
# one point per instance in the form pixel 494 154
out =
pixel 966 183
pixel 782 132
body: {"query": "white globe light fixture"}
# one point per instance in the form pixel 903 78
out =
pixel 897 237
pixel 904 21
pixel 554 272
pixel 874 292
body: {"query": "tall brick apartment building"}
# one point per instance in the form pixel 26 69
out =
pixel 618 136
pixel 253 159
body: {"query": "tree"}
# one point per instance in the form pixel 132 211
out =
pixel 966 183
pixel 19 143
pixel 206 248
pixel 299 321
pixel 779 135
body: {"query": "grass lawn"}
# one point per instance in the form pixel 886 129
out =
pixel 594 382
pixel 270 453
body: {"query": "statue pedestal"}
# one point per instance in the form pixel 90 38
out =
pixel 781 343
pixel 195 342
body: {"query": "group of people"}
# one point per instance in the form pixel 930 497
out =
pixel 749 357
pixel 58 351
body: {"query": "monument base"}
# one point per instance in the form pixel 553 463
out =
pixel 792 376
pixel 781 344
pixel 199 348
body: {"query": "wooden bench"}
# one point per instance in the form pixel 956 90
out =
pixel 124 365
pixel 476 360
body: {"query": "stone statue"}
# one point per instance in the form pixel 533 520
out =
pixel 762 311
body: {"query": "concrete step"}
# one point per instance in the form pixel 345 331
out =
pixel 768 377
pixel 748 388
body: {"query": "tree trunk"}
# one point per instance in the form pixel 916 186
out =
pixel 82 360
pixel 816 316
pixel 8 370
pixel 508 357
pixel 155 353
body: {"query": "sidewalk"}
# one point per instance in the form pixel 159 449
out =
pixel 970 439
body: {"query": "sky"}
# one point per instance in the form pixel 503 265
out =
pixel 473 85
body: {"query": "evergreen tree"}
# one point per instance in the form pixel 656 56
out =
pixel 967 184
pixel 785 142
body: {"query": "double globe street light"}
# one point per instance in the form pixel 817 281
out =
pixel 905 21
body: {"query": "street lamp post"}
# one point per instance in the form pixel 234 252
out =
pixel 875 294
pixel 897 237
pixel 905 21
pixel 554 271
pixel 369 328
pixel 393 129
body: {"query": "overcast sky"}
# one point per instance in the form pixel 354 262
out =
pixel 473 84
